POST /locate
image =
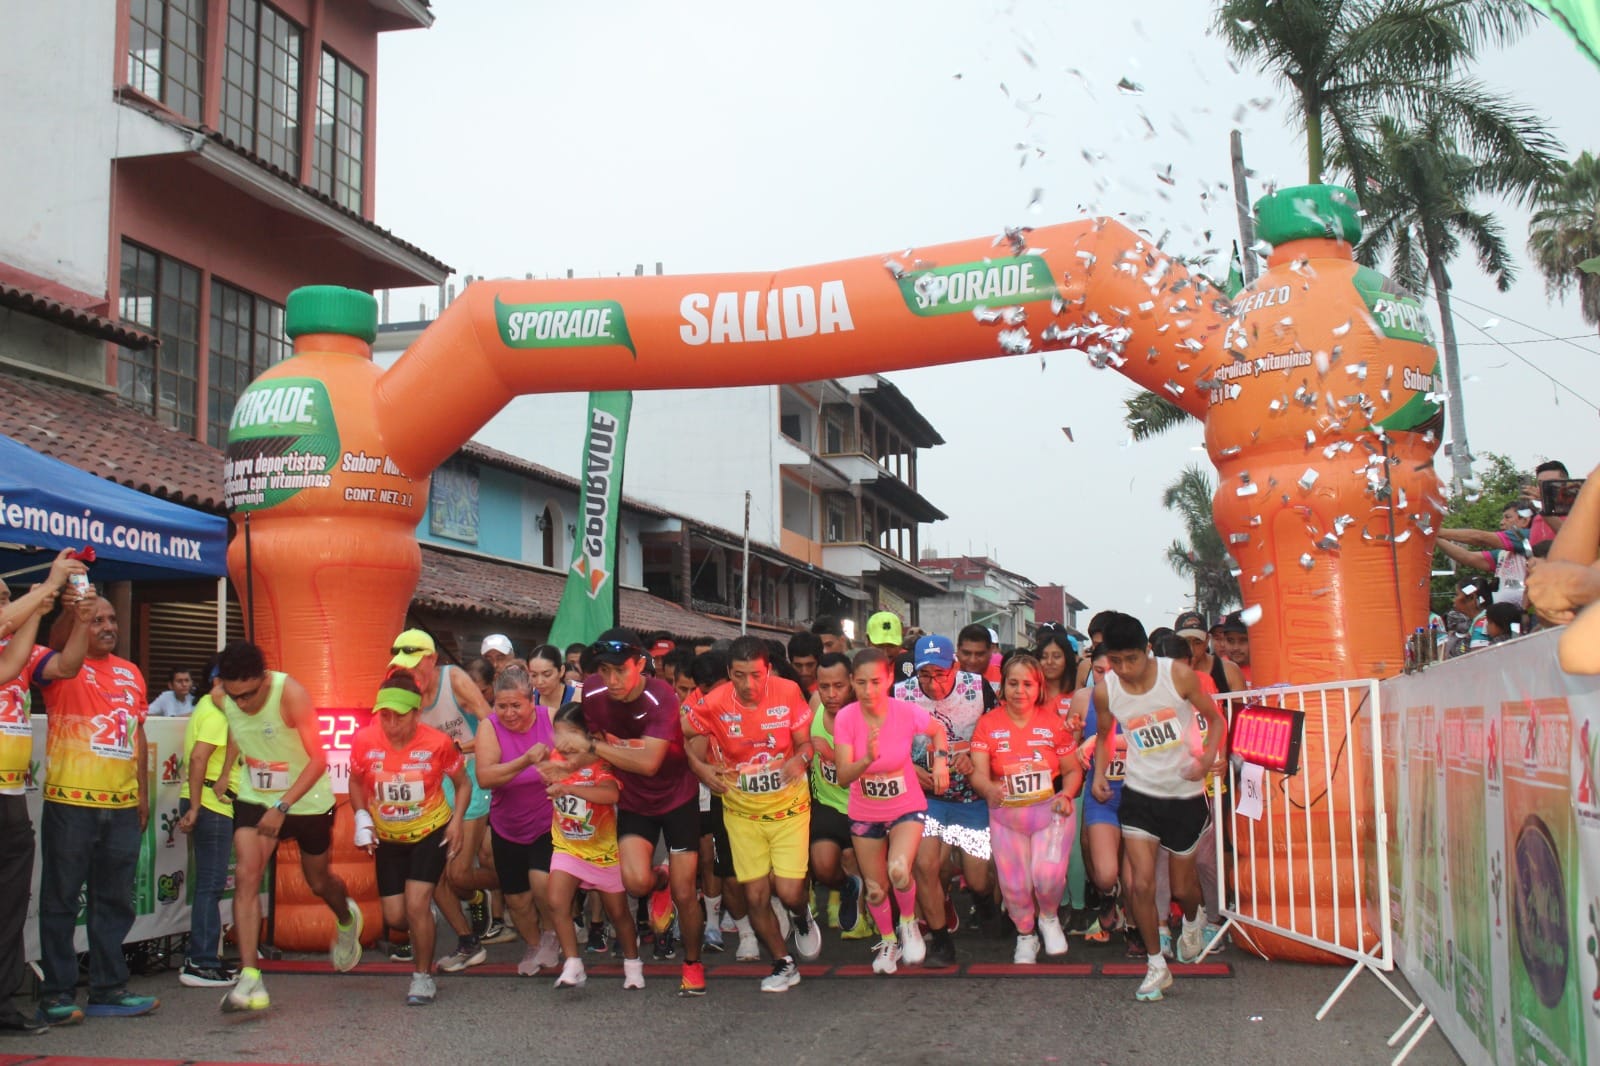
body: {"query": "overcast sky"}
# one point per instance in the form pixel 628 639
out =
pixel 518 137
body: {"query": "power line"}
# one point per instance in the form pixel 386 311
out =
pixel 1551 336
pixel 1531 364
pixel 1534 340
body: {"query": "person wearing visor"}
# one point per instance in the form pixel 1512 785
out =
pixel 205 807
pixel 398 765
pixel 635 727
pixel 284 794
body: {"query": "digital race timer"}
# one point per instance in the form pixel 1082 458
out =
pixel 1268 736
pixel 337 726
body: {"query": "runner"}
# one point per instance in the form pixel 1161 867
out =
pixel 283 795
pixel 1023 767
pixel 209 825
pixel 804 650
pixel 1058 658
pixel 1107 868
pixel 1163 799
pixel 453 704
pixel 957 817
pixel 833 858
pixel 397 768
pixel 718 886
pixel 872 751
pixel 755 736
pixel 513 760
pixel 638 717
pixel 584 831
pixel 1203 658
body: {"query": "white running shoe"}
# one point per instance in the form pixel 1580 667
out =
pixel 572 975
pixel 1055 940
pixel 808 941
pixel 728 925
pixel 1027 952
pixel 782 912
pixel 549 953
pixel 785 975
pixel 247 994
pixel 422 990
pixel 463 956
pixel 632 973
pixel 1192 940
pixel 749 949
pixel 529 966
pixel 885 956
pixel 1157 978
pixel 345 951
pixel 912 949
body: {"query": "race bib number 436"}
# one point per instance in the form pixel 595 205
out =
pixel 761 782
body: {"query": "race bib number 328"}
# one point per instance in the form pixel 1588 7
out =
pixel 883 786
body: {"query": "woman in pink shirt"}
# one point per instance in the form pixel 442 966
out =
pixel 872 751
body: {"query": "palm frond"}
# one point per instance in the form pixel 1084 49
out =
pixel 1148 414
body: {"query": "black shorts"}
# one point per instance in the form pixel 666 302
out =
pixel 1176 824
pixel 680 826
pixel 712 825
pixel 830 825
pixel 313 832
pixel 513 862
pixel 422 860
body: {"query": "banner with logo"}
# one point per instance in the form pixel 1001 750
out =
pixel 163 884
pixel 1499 872
pixel 589 601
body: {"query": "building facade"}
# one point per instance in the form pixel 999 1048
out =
pixel 979 591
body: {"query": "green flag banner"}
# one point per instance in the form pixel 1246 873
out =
pixel 589 601
pixel 1579 18
pixel 1235 283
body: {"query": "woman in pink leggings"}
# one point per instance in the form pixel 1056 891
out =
pixel 1023 766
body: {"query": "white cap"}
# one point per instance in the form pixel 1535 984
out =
pixel 496 642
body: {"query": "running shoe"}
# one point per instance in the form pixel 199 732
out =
pixel 713 938
pixel 807 938
pixel 1050 931
pixel 549 953
pixel 422 990
pixel 1192 939
pixel 498 933
pixel 941 951
pixel 864 929
pixel 632 973
pixel 467 953
pixel 1166 943
pixel 784 927
pixel 597 940
pixel 248 994
pixel 728 923
pixel 192 976
pixel 912 949
pixel 845 905
pixel 885 956
pixel 661 905
pixel 749 949
pixel 694 980
pixel 123 1004
pixel 1157 979
pixel 1135 944
pixel 666 945
pixel 952 920
pixel 835 901
pixel 402 952
pixel 572 974
pixel 785 974
pixel 478 913
pixel 61 1011
pixel 14 1021
pixel 529 966
pixel 345 951
pixel 1027 952
pixel 985 912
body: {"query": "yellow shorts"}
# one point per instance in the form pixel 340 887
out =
pixel 781 846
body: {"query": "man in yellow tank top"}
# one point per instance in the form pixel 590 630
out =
pixel 284 794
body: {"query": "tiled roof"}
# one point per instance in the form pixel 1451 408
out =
pixel 468 584
pixel 39 305
pixel 110 438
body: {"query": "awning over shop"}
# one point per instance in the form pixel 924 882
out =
pixel 47 505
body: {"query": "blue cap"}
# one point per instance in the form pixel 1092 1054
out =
pixel 934 651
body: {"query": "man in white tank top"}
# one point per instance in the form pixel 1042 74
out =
pixel 1157 702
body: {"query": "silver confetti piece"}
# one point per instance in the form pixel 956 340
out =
pixel 1307 561
pixel 1308 479
pixel 1230 451
pixel 1238 538
pixel 985 315
pixel 1250 615
pixel 1246 490
pixel 1129 87
pixel 1015 341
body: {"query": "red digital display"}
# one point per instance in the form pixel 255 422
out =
pixel 338 726
pixel 1268 736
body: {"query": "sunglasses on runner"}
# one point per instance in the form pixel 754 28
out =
pixel 602 648
pixel 401 649
pixel 242 697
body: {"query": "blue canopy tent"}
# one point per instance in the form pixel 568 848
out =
pixel 47 505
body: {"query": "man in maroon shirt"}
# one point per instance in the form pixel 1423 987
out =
pixel 635 726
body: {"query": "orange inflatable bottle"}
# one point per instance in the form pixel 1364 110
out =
pixel 324 519
pixel 1323 426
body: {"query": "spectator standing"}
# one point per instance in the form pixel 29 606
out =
pixel 178 700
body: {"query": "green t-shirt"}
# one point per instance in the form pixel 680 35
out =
pixel 208 725
pixel 824 775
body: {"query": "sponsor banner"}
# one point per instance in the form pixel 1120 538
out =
pixel 164 878
pixel 1500 870
pixel 589 600
pixel 568 324
pixel 282 438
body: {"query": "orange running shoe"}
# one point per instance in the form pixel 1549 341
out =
pixel 694 980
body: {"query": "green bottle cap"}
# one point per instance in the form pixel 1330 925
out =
pixel 331 309
pixel 1316 211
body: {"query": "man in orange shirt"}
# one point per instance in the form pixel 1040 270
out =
pixel 95 811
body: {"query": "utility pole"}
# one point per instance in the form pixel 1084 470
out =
pixel 744 571
pixel 1241 204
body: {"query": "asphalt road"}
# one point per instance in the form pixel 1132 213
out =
pixel 1262 1014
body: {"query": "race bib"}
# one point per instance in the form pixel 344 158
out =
pixel 1151 733
pixel 830 773
pixel 267 776
pixel 401 790
pixel 573 814
pixel 883 786
pixel 1028 786
pixel 1117 770
pixel 762 781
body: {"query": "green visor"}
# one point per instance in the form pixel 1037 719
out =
pixel 396 699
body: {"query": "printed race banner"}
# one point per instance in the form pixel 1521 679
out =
pixel 1500 878
pixel 589 601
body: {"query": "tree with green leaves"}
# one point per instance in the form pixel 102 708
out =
pixel 1344 63
pixel 1496 488
pixel 1426 179
pixel 1148 414
pixel 1564 235
pixel 1203 559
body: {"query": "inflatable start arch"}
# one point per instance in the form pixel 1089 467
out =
pixel 1316 386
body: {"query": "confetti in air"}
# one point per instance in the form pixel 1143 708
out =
pixel 1129 87
pixel 1250 615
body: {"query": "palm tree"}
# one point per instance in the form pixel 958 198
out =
pixel 1348 61
pixel 1424 180
pixel 1148 414
pixel 1565 234
pixel 1203 559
